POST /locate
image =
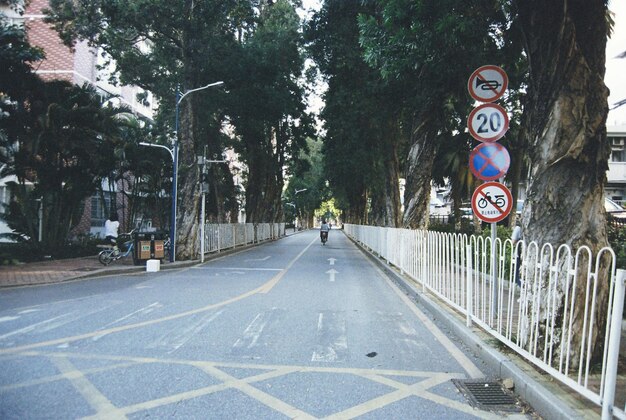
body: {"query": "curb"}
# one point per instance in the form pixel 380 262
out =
pixel 540 398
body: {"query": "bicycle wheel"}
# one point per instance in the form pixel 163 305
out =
pixel 105 257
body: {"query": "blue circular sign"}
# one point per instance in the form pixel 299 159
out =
pixel 489 161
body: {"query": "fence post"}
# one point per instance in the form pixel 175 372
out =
pixel 608 396
pixel 218 238
pixel 469 307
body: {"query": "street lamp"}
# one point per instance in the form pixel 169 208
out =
pixel 174 154
pixel 296 201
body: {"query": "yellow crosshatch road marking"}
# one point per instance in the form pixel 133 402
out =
pixel 105 409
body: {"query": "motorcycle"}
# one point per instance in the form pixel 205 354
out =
pixel 324 237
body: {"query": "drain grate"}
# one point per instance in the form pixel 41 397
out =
pixel 487 395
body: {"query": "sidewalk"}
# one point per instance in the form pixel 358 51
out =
pixel 56 271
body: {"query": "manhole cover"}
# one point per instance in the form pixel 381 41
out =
pixel 487 395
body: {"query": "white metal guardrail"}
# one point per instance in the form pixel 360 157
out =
pixel 539 301
pixel 218 237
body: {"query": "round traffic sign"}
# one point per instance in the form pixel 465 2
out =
pixel 487 83
pixel 488 123
pixel 492 202
pixel 489 161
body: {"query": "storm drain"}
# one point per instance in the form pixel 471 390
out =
pixel 487 395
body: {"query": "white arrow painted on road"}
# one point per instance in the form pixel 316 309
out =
pixel 332 274
pixel 332 261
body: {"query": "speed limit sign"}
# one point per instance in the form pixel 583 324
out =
pixel 488 123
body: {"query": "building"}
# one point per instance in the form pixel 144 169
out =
pixel 616 176
pixel 79 65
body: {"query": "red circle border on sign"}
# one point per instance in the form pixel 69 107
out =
pixel 497 69
pixel 504 213
pixel 491 139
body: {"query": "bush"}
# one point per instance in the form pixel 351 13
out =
pixel 23 252
pixel 617 240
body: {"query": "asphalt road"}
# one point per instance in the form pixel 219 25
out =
pixel 289 329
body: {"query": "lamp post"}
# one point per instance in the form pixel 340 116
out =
pixel 296 216
pixel 296 201
pixel 174 154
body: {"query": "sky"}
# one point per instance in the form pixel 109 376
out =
pixel 615 77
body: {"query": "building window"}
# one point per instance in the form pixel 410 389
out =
pixel 100 210
pixel 618 149
pixel 618 155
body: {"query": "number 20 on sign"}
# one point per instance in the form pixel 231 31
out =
pixel 488 123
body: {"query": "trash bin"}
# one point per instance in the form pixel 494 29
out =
pixel 148 245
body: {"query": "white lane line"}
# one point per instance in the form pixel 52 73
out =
pixel 179 336
pixel 32 327
pixel 253 332
pixel 8 318
pixel 465 362
pixel 260 259
pixel 142 311
pixel 28 311
pixel 332 341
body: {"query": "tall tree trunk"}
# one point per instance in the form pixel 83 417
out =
pixel 418 176
pixel 565 117
pixel 187 220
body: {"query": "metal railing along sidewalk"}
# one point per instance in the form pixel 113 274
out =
pixel 541 302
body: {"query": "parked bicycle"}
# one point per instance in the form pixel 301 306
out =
pixel 110 253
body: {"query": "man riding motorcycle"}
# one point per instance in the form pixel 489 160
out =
pixel 324 229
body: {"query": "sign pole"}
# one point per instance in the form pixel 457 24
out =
pixel 494 271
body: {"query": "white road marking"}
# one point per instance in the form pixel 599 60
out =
pixel 28 311
pixel 332 341
pixel 332 261
pixel 32 327
pixel 260 259
pixel 252 333
pixel 8 318
pixel 142 311
pixel 178 337
pixel 332 274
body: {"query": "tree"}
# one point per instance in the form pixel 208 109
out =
pixel 430 45
pixel 307 172
pixel 17 79
pixel 363 135
pixel 268 111
pixel 64 148
pixel 564 118
pixel 167 46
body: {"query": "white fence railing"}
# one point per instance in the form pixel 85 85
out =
pixel 218 237
pixel 542 302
